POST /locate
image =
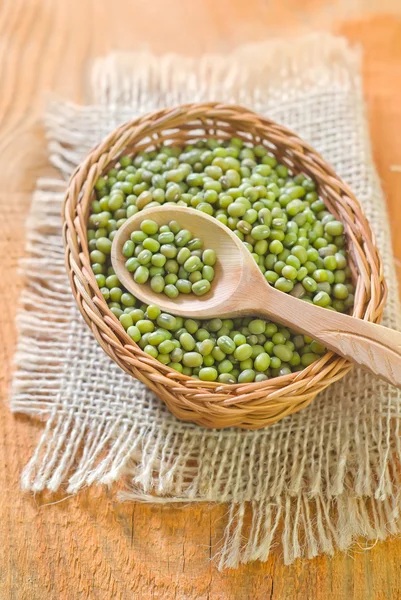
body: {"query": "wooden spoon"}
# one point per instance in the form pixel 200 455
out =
pixel 240 289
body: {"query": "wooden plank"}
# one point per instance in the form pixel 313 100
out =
pixel 90 546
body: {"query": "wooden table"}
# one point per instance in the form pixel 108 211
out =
pixel 88 546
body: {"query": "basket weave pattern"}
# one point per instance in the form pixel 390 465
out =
pixel 211 404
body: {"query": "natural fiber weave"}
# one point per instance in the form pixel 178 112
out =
pixel 211 404
pixel 315 480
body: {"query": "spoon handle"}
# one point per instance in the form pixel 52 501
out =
pixel 372 346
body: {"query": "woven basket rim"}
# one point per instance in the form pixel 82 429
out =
pixel 216 119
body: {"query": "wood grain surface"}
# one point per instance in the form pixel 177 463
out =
pixel 89 546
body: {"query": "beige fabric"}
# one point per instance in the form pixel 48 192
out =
pixel 327 473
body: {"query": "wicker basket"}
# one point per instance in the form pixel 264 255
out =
pixel 211 404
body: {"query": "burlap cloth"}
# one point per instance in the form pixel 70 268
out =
pixel 315 480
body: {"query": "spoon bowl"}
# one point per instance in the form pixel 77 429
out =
pixel 239 289
pixel 234 264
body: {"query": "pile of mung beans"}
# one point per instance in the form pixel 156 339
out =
pixel 171 257
pixel 298 245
